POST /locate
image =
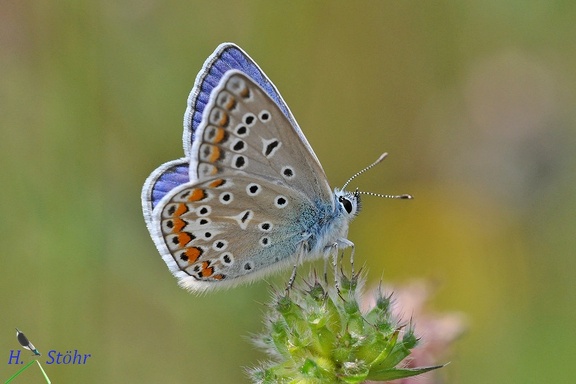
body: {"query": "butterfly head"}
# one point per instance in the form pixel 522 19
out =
pixel 348 202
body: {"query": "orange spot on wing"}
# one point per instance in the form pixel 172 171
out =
pixel 180 210
pixel 220 135
pixel 197 194
pixel 216 183
pixel 184 238
pixel 218 277
pixel 223 120
pixel 207 270
pixel 193 254
pixel 231 103
pixel 178 225
pixel 215 155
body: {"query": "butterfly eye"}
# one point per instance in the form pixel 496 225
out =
pixel 346 204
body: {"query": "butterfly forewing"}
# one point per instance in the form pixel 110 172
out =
pixel 244 131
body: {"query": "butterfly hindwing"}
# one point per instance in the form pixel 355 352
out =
pixel 227 227
pixel 164 179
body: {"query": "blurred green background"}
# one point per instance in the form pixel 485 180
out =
pixel 473 100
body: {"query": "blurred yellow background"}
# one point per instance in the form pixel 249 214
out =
pixel 473 100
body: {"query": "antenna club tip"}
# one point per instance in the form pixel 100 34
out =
pixel 406 197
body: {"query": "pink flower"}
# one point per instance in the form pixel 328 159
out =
pixel 437 331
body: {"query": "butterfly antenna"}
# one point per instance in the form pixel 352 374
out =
pixel 403 196
pixel 382 157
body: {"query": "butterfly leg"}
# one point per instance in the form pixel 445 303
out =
pixel 345 243
pixel 292 278
pixel 326 261
pixel 335 263
pixel 351 245
pixel 302 249
pixel 334 248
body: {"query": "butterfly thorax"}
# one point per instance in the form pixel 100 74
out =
pixel 330 229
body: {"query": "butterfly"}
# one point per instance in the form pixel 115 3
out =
pixel 249 197
pixel 23 340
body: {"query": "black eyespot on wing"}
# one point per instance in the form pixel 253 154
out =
pixel 245 216
pixel 264 116
pixel 241 130
pixel 240 162
pixel 270 147
pixel 281 201
pixel 249 118
pixel 239 145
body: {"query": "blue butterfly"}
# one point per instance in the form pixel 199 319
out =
pixel 249 196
